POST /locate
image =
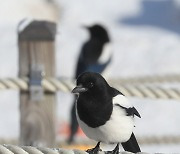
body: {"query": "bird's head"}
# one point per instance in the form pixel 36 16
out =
pixel 91 83
pixel 99 32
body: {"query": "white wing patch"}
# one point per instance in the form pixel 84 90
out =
pixel 122 100
pixel 106 53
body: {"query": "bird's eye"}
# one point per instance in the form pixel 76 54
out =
pixel 90 85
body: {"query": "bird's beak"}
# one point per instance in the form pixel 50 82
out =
pixel 79 89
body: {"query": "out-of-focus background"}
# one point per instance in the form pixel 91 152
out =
pixel 145 38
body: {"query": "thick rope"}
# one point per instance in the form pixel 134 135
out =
pixel 51 84
pixel 149 79
pixel 153 92
pixel 132 90
pixel 13 149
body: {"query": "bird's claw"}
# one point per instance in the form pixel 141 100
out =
pixel 112 152
pixel 94 150
pixel 115 151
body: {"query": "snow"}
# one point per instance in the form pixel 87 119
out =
pixel 145 36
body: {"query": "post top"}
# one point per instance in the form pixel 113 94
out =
pixel 36 30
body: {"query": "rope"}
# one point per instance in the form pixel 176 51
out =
pixel 149 79
pixel 144 91
pixel 131 90
pixel 159 140
pixel 144 140
pixel 13 149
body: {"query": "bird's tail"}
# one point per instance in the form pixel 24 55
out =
pixel 131 145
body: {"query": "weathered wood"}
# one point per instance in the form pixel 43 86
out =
pixel 36 50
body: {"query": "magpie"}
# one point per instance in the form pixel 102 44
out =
pixel 95 55
pixel 104 113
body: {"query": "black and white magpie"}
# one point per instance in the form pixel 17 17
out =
pixel 104 113
pixel 96 52
pixel 95 56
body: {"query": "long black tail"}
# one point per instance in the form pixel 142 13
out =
pixel 131 145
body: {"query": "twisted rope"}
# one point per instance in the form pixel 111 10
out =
pixel 49 84
pixel 132 90
pixel 153 92
pixel 144 140
pixel 159 140
pixel 149 79
pixel 12 149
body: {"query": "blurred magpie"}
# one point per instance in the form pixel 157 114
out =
pixel 104 113
pixel 95 56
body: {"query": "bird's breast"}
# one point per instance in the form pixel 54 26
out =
pixel 117 129
pixel 92 113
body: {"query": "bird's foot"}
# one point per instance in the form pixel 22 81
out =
pixel 115 151
pixel 94 150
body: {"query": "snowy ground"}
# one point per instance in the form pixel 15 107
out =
pixel 145 36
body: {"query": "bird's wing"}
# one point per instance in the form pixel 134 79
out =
pixel 131 145
pixel 91 51
pixel 89 55
pixel 122 101
pixel 106 53
pixel 103 60
pixel 93 57
pixel 131 111
pixel 98 67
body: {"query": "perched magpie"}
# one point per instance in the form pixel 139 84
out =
pixel 104 113
pixel 95 56
pixel 95 53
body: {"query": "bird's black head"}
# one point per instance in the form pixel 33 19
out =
pixel 99 32
pixel 91 83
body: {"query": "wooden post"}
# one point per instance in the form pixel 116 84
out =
pixel 36 60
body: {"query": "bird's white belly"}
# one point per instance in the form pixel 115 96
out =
pixel 118 129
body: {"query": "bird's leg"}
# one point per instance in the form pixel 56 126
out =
pixel 115 151
pixel 94 150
